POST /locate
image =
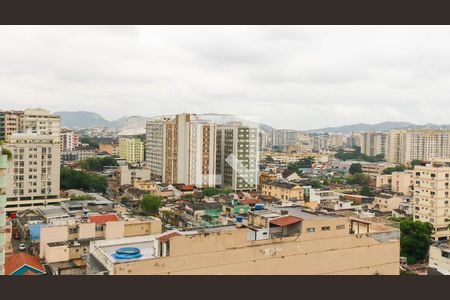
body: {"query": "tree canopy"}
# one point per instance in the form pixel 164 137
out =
pixel 355 168
pixel 72 179
pixel 305 162
pixel 359 178
pixel 357 155
pixel 97 163
pixel 399 168
pixel 150 204
pixel 415 240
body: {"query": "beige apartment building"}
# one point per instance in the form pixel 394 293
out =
pixel 397 182
pixel 57 241
pixel 273 243
pixel 283 190
pixel 132 150
pixel 34 172
pixel 431 197
pixel 9 123
pixel 182 150
pixel 374 169
pixel 425 145
pixel 374 143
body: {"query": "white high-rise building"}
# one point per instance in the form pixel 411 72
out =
pixel 407 145
pixel 34 172
pixel 284 137
pixel 69 140
pixel 237 156
pixel 374 143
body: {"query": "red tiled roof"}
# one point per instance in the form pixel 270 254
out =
pixel 18 260
pixel 250 201
pixel 29 273
pixel 285 221
pixel 164 238
pixel 100 219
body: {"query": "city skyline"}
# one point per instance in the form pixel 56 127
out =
pixel 314 77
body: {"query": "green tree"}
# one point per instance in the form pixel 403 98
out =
pixel 359 178
pixel 355 168
pixel 72 179
pixel 210 191
pixel 306 162
pixel 269 159
pixel 399 168
pixel 226 191
pixel 150 204
pixel 414 162
pixel 366 191
pixel 97 163
pixel 415 240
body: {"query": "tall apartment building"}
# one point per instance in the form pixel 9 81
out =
pixel 34 173
pixel 69 140
pixel 407 145
pixel 3 185
pixel 284 137
pixel 132 150
pixel 431 196
pixel 354 139
pixel 320 141
pixel 237 155
pixel 337 140
pixel 155 142
pixel 374 143
pixel 9 123
pixel 262 142
pixel 182 150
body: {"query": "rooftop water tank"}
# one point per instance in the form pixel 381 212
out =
pixel 239 219
pixel 127 253
pixel 259 206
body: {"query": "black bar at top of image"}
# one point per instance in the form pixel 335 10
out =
pixel 224 12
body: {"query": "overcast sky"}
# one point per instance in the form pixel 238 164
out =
pixel 298 77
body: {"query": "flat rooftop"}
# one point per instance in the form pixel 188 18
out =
pixel 275 211
pixel 146 244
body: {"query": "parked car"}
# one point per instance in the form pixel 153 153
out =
pixel 22 247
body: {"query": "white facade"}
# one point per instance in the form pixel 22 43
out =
pixel 237 156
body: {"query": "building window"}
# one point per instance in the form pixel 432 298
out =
pixel 339 227
pixel 311 229
pixel 326 228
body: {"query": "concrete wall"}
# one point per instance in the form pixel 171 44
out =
pixel 114 230
pixel 52 234
pixel 437 261
pixel 86 231
pixel 228 253
pixel 56 253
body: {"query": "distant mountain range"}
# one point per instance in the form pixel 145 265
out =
pixel 130 124
pixel 384 126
